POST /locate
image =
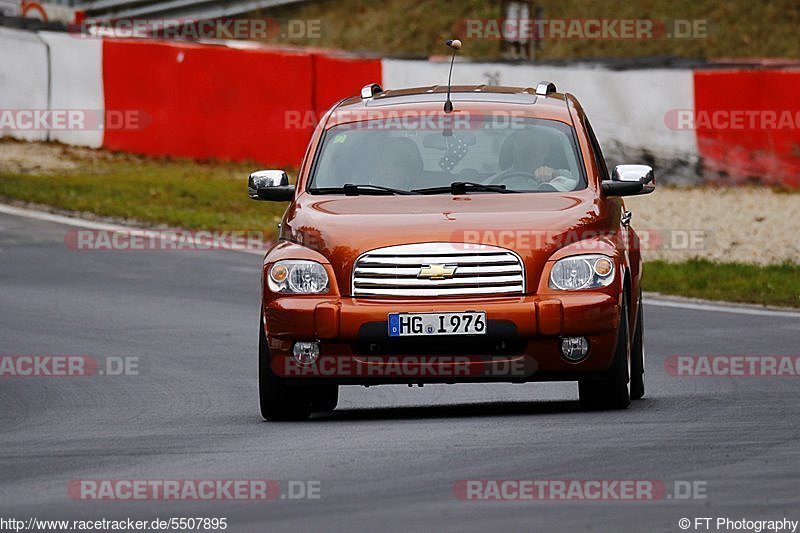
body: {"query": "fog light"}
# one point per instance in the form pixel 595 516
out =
pixel 574 349
pixel 305 353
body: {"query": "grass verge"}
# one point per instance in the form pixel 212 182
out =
pixel 733 282
pixel 174 193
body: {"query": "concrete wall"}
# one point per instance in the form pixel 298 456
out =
pixel 24 81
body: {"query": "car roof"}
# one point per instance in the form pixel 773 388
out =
pixel 469 98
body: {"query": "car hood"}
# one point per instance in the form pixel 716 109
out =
pixel 533 225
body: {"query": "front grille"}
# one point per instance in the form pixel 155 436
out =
pixel 457 269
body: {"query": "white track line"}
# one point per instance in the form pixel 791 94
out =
pixel 90 224
pixel 60 219
pixel 648 300
pixel 720 308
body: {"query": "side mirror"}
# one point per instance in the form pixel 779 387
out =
pixel 270 185
pixel 630 180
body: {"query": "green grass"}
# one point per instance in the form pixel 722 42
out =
pixel 737 28
pixel 734 282
pixel 176 193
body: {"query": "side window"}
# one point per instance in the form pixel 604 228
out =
pixel 598 153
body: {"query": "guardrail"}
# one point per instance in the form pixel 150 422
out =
pixel 160 8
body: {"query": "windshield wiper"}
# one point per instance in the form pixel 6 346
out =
pixel 462 187
pixel 351 189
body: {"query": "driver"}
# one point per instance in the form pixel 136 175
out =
pixel 530 153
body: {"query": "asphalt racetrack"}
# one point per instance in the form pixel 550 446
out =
pixel 388 458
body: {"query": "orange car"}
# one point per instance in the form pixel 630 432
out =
pixel 421 245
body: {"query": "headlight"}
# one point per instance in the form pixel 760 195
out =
pixel 298 277
pixel 582 272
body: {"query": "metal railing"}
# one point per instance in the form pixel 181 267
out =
pixel 173 8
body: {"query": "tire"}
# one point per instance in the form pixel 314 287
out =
pixel 637 356
pixel 278 400
pixel 612 390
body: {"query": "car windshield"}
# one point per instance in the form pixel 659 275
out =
pixel 488 155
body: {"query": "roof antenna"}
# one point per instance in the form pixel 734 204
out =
pixel 455 44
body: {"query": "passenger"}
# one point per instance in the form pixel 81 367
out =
pixel 397 163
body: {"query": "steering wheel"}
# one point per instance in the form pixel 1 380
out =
pixel 508 174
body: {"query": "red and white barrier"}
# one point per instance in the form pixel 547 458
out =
pixel 76 82
pixel 244 101
pixel 739 150
pixel 219 102
pixel 205 101
pixel 24 82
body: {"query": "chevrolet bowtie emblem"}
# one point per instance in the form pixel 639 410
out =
pixel 437 272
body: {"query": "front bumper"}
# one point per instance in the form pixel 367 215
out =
pixel 524 330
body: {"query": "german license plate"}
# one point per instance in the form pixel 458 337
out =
pixel 420 324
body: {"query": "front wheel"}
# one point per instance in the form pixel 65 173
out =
pixel 279 401
pixel 612 391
